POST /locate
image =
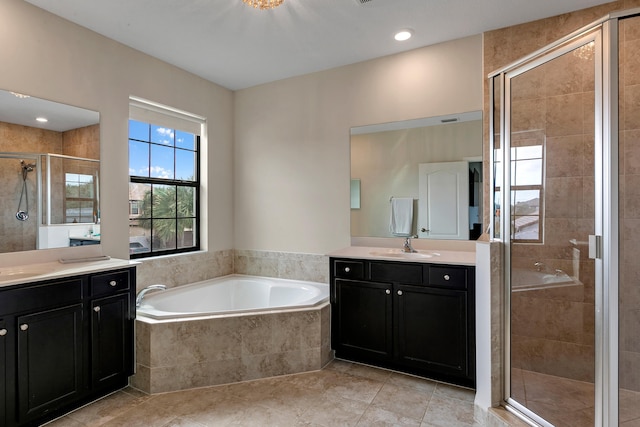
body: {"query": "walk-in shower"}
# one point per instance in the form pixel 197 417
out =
pixel 565 130
pixel 566 181
pixel 46 200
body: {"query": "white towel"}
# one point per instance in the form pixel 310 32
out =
pixel 401 216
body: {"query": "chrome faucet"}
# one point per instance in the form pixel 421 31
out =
pixel 406 247
pixel 145 290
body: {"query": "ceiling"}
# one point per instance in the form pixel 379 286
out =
pixel 236 46
pixel 61 117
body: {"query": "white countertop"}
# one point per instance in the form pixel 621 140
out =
pixel 51 270
pixel 429 256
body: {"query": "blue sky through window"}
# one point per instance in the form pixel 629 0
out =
pixel 159 152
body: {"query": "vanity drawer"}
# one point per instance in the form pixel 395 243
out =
pixel 410 274
pixel 41 296
pixel 108 283
pixel 447 276
pixel 348 269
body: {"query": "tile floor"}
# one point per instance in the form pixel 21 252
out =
pixel 568 403
pixel 342 394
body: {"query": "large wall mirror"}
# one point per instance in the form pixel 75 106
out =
pixel 433 164
pixel 49 174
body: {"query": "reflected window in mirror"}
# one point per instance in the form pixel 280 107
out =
pixel 164 181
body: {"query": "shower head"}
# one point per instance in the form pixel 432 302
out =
pixel 28 167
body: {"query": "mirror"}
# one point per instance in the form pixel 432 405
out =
pixel 386 162
pixel 49 174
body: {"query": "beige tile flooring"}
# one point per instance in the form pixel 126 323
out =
pixel 568 403
pixel 342 394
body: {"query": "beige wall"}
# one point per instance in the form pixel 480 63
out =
pixel 48 57
pixel 291 144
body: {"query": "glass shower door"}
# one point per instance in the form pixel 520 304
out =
pixel 550 209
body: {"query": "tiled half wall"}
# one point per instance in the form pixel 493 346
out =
pixel 198 353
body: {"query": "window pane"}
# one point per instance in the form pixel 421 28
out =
pixel 527 152
pixel 526 172
pixel 162 135
pixel 138 158
pixel 186 202
pixel 186 233
pixel 185 165
pixel 526 202
pixel 164 201
pixel 164 234
pixel 185 140
pixel 161 162
pixel 138 130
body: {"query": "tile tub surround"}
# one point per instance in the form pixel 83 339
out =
pixel 284 265
pixel 343 393
pixel 181 269
pixel 220 350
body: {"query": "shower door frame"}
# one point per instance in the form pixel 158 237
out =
pixel 604 33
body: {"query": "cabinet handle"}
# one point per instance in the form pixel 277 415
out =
pixel 3 332
pixel 24 327
pixel 113 283
pixel 96 309
pixel 446 277
pixel 388 291
pixel 347 269
pixel 399 292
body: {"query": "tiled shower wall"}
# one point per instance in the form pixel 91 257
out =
pixel 629 203
pixel 504 46
pixel 21 235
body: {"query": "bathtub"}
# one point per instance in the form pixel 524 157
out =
pixel 233 294
pixel 230 329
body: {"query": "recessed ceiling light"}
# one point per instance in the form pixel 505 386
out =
pixel 42 119
pixel 403 35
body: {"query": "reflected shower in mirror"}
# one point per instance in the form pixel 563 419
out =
pixel 49 174
pixel 386 159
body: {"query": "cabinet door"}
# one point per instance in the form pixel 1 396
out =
pixel 362 321
pixel 49 360
pixel 4 335
pixel 111 341
pixel 431 327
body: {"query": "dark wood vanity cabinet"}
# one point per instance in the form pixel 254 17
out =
pixel 66 342
pixel 413 317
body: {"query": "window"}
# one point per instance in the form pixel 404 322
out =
pixel 80 202
pixel 164 186
pixel 526 193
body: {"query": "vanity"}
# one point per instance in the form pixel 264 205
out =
pixel 410 312
pixel 66 337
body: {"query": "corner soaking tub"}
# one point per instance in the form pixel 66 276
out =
pixel 233 294
pixel 230 329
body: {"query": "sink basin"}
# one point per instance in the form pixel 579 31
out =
pixel 397 253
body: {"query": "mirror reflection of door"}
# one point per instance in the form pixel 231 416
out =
pixel 443 208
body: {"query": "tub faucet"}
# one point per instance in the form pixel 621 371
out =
pixel 145 290
pixel 406 247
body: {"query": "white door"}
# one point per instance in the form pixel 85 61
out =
pixel 443 207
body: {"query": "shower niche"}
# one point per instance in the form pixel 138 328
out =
pixel 49 174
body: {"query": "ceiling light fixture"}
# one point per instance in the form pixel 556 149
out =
pixel 403 35
pixel 42 119
pixel 263 4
